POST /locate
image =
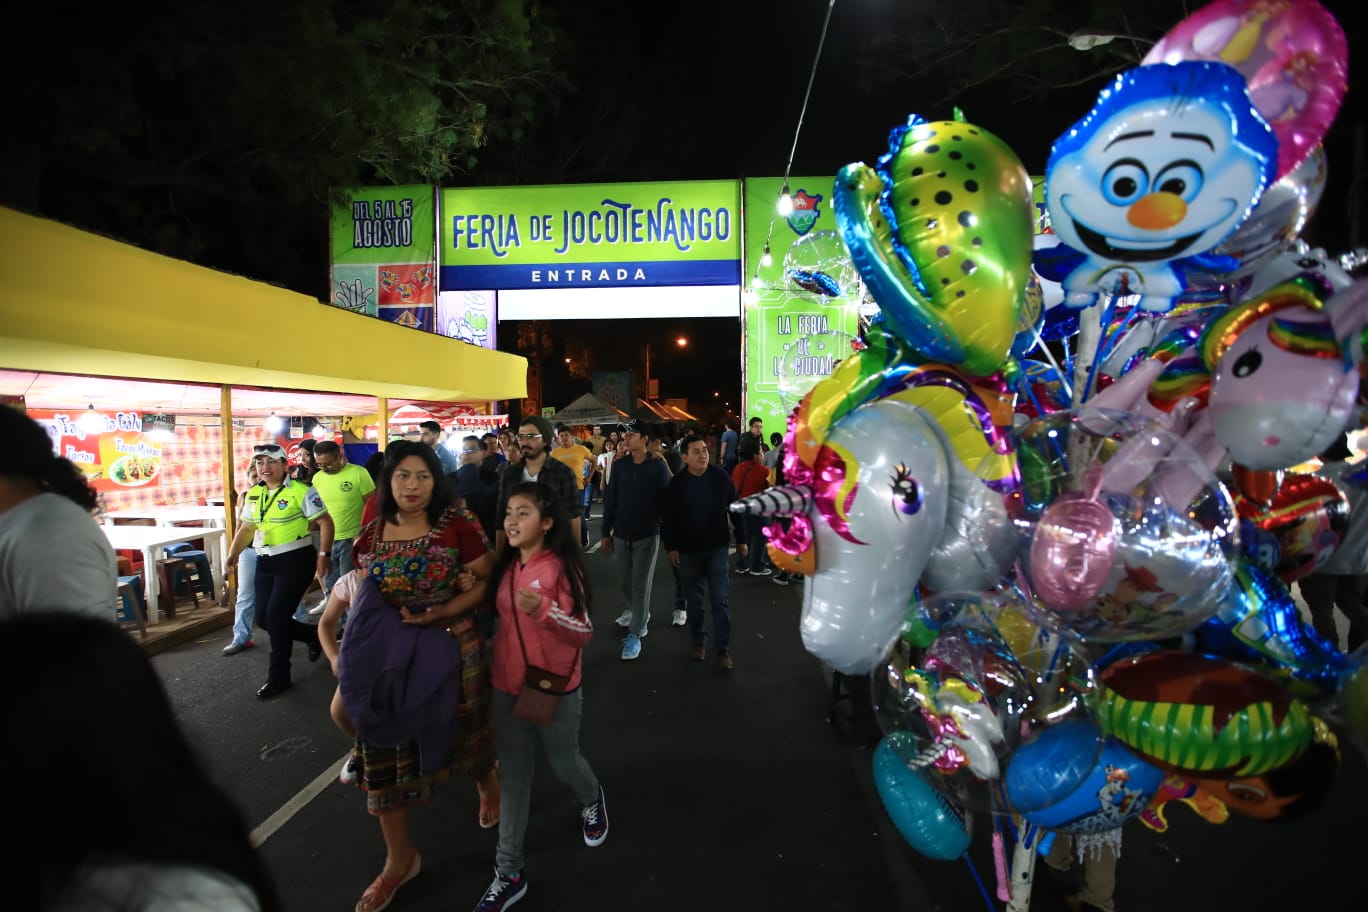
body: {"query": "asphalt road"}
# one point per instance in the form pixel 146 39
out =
pixel 725 791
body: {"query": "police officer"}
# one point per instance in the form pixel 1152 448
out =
pixel 280 509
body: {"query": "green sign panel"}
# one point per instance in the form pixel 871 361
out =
pixel 803 312
pixel 591 235
pixel 384 254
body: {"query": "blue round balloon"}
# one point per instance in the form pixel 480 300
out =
pixel 928 823
pixel 1060 782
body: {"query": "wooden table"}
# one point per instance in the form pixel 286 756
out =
pixel 150 540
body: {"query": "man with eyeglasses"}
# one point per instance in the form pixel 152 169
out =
pixel 281 509
pixel 534 443
pixel 631 514
pixel 472 486
pixel 344 488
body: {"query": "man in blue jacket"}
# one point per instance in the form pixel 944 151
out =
pixel 695 530
pixel 631 515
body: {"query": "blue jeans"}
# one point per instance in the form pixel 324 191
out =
pixel 341 563
pixel 584 518
pixel 636 563
pixel 710 566
pixel 516 744
pixel 244 612
pixel 756 549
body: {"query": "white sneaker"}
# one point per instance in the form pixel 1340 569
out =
pixel 624 619
pixel 681 617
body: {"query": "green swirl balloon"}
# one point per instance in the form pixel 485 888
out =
pixel 941 233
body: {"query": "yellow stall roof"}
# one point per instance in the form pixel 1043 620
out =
pixel 78 303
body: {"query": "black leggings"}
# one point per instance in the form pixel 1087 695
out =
pixel 281 581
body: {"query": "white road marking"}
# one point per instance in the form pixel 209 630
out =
pixel 296 804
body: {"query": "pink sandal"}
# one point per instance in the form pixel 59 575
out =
pixel 381 892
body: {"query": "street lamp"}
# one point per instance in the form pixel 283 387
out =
pixel 1086 40
pixel 682 342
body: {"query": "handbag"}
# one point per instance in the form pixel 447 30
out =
pixel 540 696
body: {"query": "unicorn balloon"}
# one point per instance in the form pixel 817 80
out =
pixel 1269 382
pixel 895 476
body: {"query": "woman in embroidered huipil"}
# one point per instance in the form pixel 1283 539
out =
pixel 414 556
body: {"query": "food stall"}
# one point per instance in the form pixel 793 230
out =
pixel 109 335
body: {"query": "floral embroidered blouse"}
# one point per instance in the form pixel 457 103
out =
pixel 419 573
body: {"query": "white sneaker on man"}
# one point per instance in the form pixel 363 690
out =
pixel 681 617
pixel 624 619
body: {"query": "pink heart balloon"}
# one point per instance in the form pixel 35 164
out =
pixel 1292 53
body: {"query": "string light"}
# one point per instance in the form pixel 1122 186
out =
pixel 91 421
pixel 274 424
pixel 784 206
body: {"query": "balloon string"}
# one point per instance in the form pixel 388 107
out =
pixel 1023 386
pixel 1049 356
pixel 983 891
pixel 1054 659
pixel 1109 342
pixel 1004 891
pixel 1103 321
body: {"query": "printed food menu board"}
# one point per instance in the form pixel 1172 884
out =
pixel 116 457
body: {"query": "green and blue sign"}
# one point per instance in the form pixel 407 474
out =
pixel 646 234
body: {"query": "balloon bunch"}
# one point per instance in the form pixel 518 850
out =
pixel 1069 582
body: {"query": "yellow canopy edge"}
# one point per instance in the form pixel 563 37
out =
pixel 76 302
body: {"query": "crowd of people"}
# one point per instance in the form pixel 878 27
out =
pixel 456 610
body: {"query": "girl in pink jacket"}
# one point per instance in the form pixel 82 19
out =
pixel 541 595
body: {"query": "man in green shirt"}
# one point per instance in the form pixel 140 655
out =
pixel 344 488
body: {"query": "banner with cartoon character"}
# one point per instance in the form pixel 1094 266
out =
pixel 802 303
pixel 384 257
pixel 470 316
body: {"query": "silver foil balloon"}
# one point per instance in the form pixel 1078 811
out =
pixel 1278 219
pixel 879 508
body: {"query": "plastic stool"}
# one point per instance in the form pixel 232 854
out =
pixel 131 608
pixel 203 578
pixel 168 569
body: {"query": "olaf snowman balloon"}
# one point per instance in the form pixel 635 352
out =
pixel 1163 168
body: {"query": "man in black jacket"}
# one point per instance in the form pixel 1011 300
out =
pixel 631 515
pixel 694 529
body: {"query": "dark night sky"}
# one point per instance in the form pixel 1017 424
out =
pixel 713 89
pixel 735 73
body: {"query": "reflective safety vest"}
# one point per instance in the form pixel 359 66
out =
pixel 282 515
